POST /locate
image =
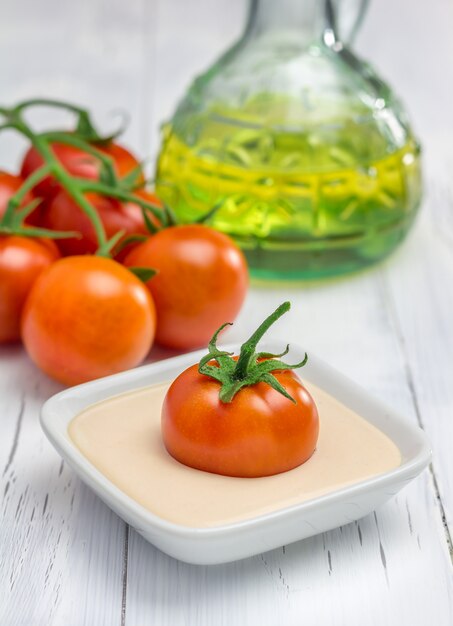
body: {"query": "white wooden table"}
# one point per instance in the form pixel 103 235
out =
pixel 65 558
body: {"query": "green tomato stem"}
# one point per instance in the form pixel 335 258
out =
pixel 251 367
pixel 107 163
pixel 16 200
pixel 76 188
pixel 73 189
pixel 33 232
pixel 58 104
pixel 121 194
pixel 69 183
pixel 248 348
pixel 84 126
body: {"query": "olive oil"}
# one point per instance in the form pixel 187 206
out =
pixel 302 203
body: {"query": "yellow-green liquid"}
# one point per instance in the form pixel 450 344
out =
pixel 300 204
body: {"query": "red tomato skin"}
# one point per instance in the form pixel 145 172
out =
pixel 9 185
pixel 22 260
pixel 51 246
pixel 201 281
pixel 87 317
pixel 78 163
pixel 65 215
pixel 121 255
pixel 125 161
pixel 259 433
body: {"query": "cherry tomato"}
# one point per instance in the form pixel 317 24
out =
pixel 87 317
pixel 22 260
pixel 51 246
pixel 64 214
pixel 201 281
pixel 9 184
pixel 125 161
pixel 122 249
pixel 258 433
pixel 78 163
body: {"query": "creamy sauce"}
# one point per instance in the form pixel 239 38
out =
pixel 121 438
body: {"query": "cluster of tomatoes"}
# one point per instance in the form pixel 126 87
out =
pixel 82 316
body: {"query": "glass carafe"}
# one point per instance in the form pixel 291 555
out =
pixel 305 154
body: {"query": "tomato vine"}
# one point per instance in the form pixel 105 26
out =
pixel 85 137
pixel 251 367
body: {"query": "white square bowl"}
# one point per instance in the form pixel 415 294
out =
pixel 234 541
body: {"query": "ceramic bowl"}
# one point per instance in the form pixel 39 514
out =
pixel 234 541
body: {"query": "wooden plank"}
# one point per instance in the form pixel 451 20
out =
pixel 419 285
pixel 421 297
pixel 59 542
pixel 364 574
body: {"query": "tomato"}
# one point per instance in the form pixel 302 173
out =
pixel 51 246
pixel 124 160
pixel 259 433
pixel 9 184
pixel 22 260
pixel 78 163
pixel 87 317
pixel 201 280
pixel 64 214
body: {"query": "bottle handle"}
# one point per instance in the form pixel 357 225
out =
pixel 344 17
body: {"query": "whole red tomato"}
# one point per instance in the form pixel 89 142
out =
pixel 87 317
pixel 201 280
pixel 22 260
pixel 64 214
pixel 9 185
pixel 78 163
pixel 259 433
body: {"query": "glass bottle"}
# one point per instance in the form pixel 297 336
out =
pixel 303 152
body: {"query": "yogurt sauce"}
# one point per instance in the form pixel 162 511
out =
pixel 121 438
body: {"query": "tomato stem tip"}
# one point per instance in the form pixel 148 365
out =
pixel 251 367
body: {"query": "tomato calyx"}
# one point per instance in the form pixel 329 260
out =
pixel 143 273
pixel 250 367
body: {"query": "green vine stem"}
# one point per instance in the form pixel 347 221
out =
pixel 56 104
pixel 12 221
pixel 251 367
pixel 69 139
pixel 84 124
pixel 103 189
pixel 16 200
pixel 109 185
pixel 72 188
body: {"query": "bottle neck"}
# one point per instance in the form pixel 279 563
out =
pixel 308 20
pixel 305 19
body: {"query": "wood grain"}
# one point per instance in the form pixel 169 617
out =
pixel 59 543
pixel 65 559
